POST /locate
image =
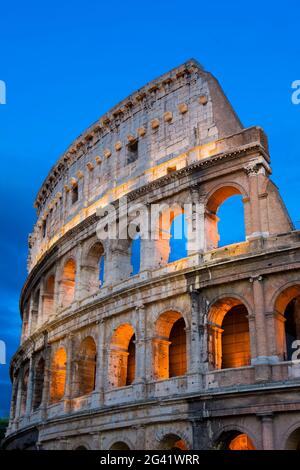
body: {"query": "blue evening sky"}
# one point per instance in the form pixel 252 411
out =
pixel 67 62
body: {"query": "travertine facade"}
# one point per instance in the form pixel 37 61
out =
pixel 194 353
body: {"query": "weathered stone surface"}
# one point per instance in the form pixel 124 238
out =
pixel 139 361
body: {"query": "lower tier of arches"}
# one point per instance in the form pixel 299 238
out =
pixel 262 420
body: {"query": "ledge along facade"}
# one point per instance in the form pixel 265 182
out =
pixel 191 353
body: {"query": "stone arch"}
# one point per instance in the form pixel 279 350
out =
pixel 292 441
pixel 169 346
pixel 121 369
pixel 24 389
pixel 48 297
pixel 234 439
pixel 86 367
pixel 92 268
pixel 173 442
pixel 228 334
pixel 217 196
pixel 67 282
pixel 58 375
pixel 163 221
pixel 287 319
pixel 39 374
pixel 81 447
pixel 119 445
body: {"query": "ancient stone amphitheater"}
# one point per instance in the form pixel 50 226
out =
pixel 190 353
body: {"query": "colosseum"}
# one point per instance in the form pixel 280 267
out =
pixel 194 352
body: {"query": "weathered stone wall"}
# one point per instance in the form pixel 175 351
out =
pixel 71 384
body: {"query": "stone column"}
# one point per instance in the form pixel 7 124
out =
pixel 78 287
pixel 267 431
pixel 19 395
pixel 98 398
pixel 196 223
pixel 13 405
pixel 253 170
pixel 140 345
pixel 118 265
pixel 47 379
pixel 30 386
pixel 160 358
pixel 259 311
pixel 195 365
pixel 69 374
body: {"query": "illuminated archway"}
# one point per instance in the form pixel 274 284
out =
pixel 234 440
pixel 228 334
pixel 173 442
pixel 68 283
pixel 122 357
pixel 169 346
pixel 86 367
pixel 58 375
pixel 287 321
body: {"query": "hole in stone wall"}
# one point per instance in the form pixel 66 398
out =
pixel 132 151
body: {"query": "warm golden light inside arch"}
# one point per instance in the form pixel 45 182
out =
pixel 68 283
pixel 122 356
pixel 58 375
pixel 228 334
pixel 241 442
pixel 169 346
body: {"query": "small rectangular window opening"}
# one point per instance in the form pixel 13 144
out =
pixel 74 194
pixel 132 151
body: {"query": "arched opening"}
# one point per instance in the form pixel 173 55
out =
pixel 48 304
pixel 68 283
pixel 58 375
pixel 178 239
pixel 135 256
pixel 170 234
pixel 35 310
pixel 228 335
pixel 169 346
pixel 24 390
pixel 287 323
pixel 224 218
pixel 93 269
pixel 38 384
pixel 173 442
pixel 122 357
pixel 119 446
pixel 234 440
pixel 81 448
pixel 293 441
pixel 86 367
